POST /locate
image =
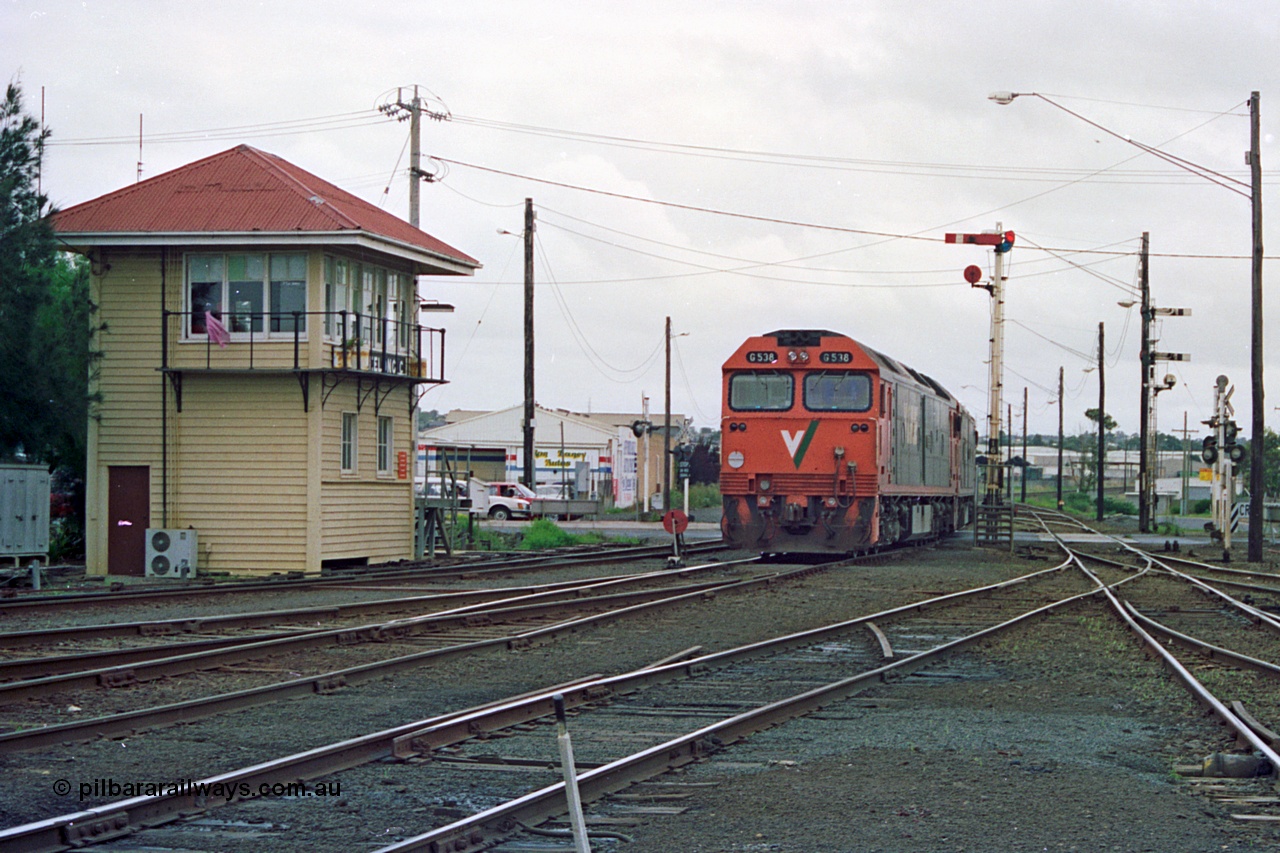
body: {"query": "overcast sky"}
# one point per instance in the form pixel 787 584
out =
pixel 813 121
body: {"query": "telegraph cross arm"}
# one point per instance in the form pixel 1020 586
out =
pixel 1171 312
pixel 1170 356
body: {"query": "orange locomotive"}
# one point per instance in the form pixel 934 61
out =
pixel 829 446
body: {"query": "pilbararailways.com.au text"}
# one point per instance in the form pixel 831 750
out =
pixel 99 788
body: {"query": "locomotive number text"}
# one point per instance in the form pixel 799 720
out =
pixel 762 357
pixel 836 358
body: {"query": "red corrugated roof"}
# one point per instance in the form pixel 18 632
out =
pixel 241 190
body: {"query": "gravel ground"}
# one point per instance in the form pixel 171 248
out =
pixel 1061 736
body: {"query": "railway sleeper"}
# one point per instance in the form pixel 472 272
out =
pixel 118 678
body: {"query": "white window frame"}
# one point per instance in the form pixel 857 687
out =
pixel 223 309
pixel 376 293
pixel 349 445
pixel 386 444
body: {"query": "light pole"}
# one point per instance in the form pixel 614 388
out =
pixel 1253 192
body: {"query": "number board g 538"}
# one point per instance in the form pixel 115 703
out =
pixel 762 357
pixel 832 357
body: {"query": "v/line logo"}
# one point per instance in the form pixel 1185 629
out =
pixel 798 442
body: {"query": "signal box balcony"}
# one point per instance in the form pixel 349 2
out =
pixel 337 346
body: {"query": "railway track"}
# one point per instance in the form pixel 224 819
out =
pixel 481 775
pixel 508 622
pixel 26 602
pixel 763 684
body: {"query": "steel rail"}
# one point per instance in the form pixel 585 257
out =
pixel 1258 616
pixel 1201 693
pixel 133 721
pixel 232 621
pixel 417 571
pixel 476 832
pixel 1209 567
pixel 1214 653
pixel 181 664
pixel 124 817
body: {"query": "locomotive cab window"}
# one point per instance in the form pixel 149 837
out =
pixel 761 392
pixel 837 391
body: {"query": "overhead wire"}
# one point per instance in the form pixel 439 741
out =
pixel 593 355
pixel 1204 172
pixel 286 127
pixel 693 397
pixel 756 156
pixel 704 269
pixel 1077 353
pixel 386 191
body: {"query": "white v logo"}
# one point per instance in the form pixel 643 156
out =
pixel 792 441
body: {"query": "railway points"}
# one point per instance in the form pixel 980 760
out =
pixel 452 783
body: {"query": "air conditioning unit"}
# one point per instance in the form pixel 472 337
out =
pixel 171 553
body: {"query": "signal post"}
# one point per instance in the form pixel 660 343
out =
pixel 995 521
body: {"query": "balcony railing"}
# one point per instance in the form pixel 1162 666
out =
pixel 350 341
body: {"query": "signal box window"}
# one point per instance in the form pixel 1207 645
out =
pixel 350 424
pixel 243 290
pixel 837 391
pixel 761 392
pixel 384 446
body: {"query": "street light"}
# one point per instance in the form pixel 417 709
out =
pixel 1253 158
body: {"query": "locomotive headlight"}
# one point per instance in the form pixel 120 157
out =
pixel 792 356
pixel 765 483
pixel 804 357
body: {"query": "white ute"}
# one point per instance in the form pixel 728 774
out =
pixel 500 501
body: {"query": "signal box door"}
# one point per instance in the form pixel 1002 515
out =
pixel 128 517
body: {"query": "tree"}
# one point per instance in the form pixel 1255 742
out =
pixel 1089 451
pixel 1270 463
pixel 1092 414
pixel 46 326
pixel 27 261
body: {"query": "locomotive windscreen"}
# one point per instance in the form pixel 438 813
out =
pixel 761 392
pixel 837 391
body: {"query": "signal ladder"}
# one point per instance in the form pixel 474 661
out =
pixel 993 527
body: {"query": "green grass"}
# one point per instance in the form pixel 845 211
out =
pixel 543 533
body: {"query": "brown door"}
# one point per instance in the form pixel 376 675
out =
pixel 128 517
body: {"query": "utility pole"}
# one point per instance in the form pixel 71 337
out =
pixel 1256 441
pixel 414 110
pixel 1060 393
pixel 1102 416
pixel 666 430
pixel 415 158
pixel 1008 462
pixel 1144 408
pixel 529 419
pixel 1184 473
pixel 1024 444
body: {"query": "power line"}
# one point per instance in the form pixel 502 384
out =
pixel 592 354
pixel 896 167
pixel 288 127
pixel 693 398
pixel 1077 353
pixel 889 236
pixel 1204 172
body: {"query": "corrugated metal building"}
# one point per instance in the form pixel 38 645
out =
pixel 490 445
